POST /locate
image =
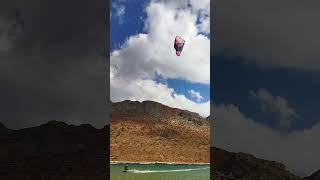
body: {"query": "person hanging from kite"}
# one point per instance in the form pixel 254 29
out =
pixel 178 45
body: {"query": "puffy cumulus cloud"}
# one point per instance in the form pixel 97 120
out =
pixel 194 5
pixel 195 94
pixel 203 8
pixel 234 131
pixel 277 104
pixel 271 33
pixel 205 25
pixel 147 89
pixel 51 63
pixel 144 55
pixel 201 5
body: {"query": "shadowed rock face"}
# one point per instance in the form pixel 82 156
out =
pixel 2 126
pixel 54 151
pixel 314 176
pixel 227 165
pixel 152 132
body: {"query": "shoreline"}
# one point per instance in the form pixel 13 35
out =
pixel 157 162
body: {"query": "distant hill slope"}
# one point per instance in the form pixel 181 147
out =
pixel 54 151
pixel 314 176
pixel 150 131
pixel 240 166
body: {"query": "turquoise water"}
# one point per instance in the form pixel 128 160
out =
pixel 160 172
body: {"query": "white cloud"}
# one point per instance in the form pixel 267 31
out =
pixel 146 89
pixel 119 10
pixel 274 34
pixel 205 25
pixel 201 5
pixel 233 131
pixel 144 54
pixel 203 8
pixel 195 94
pixel 136 63
pixel 270 103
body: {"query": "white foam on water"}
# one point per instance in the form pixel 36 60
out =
pixel 164 171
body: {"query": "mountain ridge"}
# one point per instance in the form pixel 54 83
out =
pixel 57 150
pixel 68 164
pixel 154 103
pixel 153 109
pixel 54 150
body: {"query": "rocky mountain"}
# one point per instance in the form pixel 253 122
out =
pixel 54 150
pixel 151 132
pixel 240 166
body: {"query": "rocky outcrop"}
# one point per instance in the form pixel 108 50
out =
pixel 54 151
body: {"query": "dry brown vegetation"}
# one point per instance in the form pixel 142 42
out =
pixel 168 136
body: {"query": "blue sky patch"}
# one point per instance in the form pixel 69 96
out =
pixel 234 79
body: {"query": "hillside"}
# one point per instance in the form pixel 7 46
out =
pixel 152 132
pixel 314 176
pixel 54 150
pixel 240 166
pixel 59 151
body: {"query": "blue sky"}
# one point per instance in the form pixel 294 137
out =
pixel 132 24
pixel 132 21
pixel 183 87
pixel 234 79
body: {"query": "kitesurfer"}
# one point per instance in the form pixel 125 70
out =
pixel 125 168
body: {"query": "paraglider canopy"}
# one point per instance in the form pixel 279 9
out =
pixel 178 45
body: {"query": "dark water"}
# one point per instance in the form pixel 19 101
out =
pixel 160 172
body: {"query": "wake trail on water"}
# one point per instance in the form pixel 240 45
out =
pixel 163 171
